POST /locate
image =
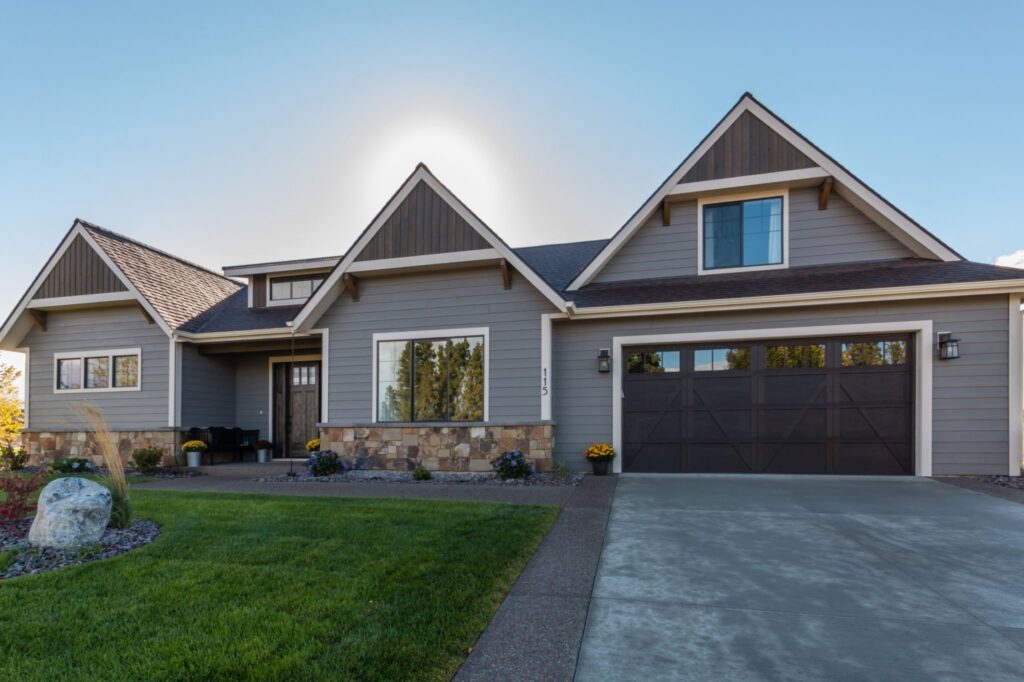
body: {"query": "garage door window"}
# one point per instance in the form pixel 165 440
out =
pixel 658 362
pixel 795 356
pixel 874 354
pixel 721 359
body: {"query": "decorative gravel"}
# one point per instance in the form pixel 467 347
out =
pixel 31 560
pixel 439 478
pixel 1015 482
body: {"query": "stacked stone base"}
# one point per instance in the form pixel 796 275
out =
pixel 44 447
pixel 439 448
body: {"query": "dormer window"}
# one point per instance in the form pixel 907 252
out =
pixel 742 233
pixel 293 290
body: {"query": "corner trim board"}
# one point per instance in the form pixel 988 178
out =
pixel 1016 387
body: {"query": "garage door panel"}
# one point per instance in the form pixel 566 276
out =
pixel 797 424
pixel 795 389
pixel 880 423
pixel 722 424
pixel 654 395
pixel 879 386
pixel 880 459
pixel 793 458
pixel 723 391
pixel 653 458
pixel 720 458
pixel 653 427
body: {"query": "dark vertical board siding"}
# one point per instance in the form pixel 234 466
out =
pixel 748 147
pixel 422 224
pixel 80 272
pixel 259 291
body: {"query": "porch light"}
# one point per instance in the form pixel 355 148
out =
pixel 604 361
pixel 949 348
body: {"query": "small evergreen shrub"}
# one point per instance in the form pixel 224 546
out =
pixel 73 465
pixel 17 496
pixel 325 463
pixel 512 465
pixel 11 458
pixel 147 459
pixel 421 474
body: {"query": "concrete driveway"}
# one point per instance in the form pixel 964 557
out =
pixel 809 578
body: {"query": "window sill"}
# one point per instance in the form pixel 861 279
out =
pixel 433 425
pixel 742 268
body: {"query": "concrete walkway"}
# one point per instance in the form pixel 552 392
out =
pixel 810 578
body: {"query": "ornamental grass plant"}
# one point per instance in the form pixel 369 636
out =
pixel 103 441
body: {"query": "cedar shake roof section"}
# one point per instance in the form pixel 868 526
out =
pixel 423 224
pixel 802 280
pixel 748 147
pixel 181 292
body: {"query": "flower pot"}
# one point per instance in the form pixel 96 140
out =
pixel 601 467
pixel 263 456
pixel 195 458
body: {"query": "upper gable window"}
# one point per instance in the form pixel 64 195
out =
pixel 293 289
pixel 744 233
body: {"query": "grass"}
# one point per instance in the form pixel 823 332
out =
pixel 270 587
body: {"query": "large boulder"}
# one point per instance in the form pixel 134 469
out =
pixel 72 512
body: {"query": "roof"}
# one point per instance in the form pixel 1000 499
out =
pixel 181 292
pixel 798 280
pixel 559 263
pixel 233 314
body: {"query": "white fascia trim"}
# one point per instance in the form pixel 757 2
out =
pixel 247 335
pixel 28 385
pixel 325 371
pixel 294 267
pixel 545 366
pixel 435 334
pixel 1016 364
pixel 922 329
pixel 433 259
pixel 77 301
pixel 752 182
pixel 796 300
pixel 902 228
pixel 743 196
pixel 82 355
pixel 174 383
pixel 275 360
pixel 329 290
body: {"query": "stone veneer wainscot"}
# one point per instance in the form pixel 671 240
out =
pixel 44 447
pixel 439 447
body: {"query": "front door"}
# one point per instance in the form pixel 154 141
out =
pixel 296 406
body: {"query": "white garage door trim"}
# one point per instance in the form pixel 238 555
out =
pixel 922 330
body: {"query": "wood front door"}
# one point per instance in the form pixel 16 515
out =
pixel 296 406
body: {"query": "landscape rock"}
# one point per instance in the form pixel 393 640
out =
pixel 72 512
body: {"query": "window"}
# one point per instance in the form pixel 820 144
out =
pixel 795 356
pixel 657 362
pixel 719 359
pixel 299 287
pixel 742 234
pixel 431 379
pixel 874 353
pixel 90 371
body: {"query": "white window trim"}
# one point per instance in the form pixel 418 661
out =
pixel 272 303
pixel 27 377
pixel 923 353
pixel 109 354
pixel 742 196
pixel 485 332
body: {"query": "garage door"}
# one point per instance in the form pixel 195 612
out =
pixel 812 406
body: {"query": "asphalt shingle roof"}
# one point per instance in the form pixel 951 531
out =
pixel 234 314
pixel 558 264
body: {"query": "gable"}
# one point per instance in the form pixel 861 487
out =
pixel 747 147
pixel 423 224
pixel 79 272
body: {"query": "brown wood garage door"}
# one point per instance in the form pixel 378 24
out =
pixel 813 406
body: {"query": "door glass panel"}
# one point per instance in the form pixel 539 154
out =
pixel 653 362
pixel 296 376
pixel 874 353
pixel 795 356
pixel 312 374
pixel 719 359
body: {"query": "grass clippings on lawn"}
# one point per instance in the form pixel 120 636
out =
pixel 270 587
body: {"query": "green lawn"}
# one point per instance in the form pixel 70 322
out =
pixel 277 588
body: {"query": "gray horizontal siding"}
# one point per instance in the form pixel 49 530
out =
pixel 439 300
pixel 970 395
pixel 839 234
pixel 100 329
pixel 207 389
pixel 252 392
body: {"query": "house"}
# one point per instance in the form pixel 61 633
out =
pixel 763 311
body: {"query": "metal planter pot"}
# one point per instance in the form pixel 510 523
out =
pixel 195 458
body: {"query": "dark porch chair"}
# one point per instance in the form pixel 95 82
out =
pixel 221 439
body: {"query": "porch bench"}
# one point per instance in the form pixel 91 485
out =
pixel 221 439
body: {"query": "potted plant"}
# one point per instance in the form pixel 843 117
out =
pixel 193 450
pixel 313 445
pixel 264 449
pixel 600 456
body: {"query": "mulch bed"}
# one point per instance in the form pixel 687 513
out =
pixel 165 473
pixel 29 560
pixel 439 478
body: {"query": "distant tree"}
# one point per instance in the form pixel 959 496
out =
pixel 12 413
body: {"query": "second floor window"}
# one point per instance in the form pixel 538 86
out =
pixel 300 287
pixel 743 233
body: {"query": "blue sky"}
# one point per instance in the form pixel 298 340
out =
pixel 234 132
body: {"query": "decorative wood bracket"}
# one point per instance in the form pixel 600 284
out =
pixel 666 212
pixel 39 317
pixel 506 274
pixel 145 313
pixel 824 192
pixel 351 285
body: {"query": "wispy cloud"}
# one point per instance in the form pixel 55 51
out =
pixel 1012 260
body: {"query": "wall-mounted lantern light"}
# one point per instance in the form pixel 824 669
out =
pixel 949 348
pixel 604 361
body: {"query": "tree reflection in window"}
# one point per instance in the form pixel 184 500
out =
pixel 719 359
pixel 431 380
pixel 653 362
pixel 795 356
pixel 874 353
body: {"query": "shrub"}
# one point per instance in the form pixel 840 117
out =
pixel 73 465
pixel 421 474
pixel 147 459
pixel 313 445
pixel 264 445
pixel 12 459
pixel 599 452
pixel 193 446
pixel 325 463
pixel 560 470
pixel 17 502
pixel 512 465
